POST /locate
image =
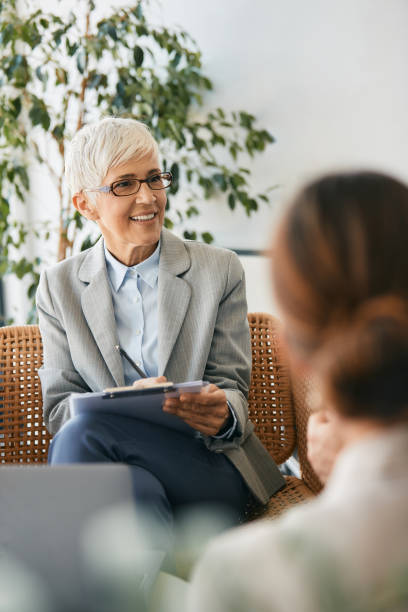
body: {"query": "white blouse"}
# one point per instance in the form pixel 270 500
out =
pixel 349 546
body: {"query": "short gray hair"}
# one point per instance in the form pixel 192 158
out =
pixel 99 146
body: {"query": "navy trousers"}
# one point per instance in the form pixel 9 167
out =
pixel 170 470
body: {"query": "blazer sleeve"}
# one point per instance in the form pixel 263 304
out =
pixel 229 361
pixel 58 375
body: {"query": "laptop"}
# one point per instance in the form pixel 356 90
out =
pixel 46 515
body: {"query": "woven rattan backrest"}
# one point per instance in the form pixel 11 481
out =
pixel 303 389
pixel 23 436
pixel 270 402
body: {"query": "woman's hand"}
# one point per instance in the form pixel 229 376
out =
pixel 206 411
pixel 324 443
pixel 144 383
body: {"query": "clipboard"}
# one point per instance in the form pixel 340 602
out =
pixel 145 404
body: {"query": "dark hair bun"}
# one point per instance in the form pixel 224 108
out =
pixel 364 363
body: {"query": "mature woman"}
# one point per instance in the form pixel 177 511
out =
pixel 178 308
pixel 340 273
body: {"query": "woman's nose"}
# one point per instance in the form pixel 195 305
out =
pixel 145 194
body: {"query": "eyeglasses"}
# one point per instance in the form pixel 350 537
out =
pixel 130 186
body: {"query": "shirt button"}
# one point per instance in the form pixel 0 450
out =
pixel 138 363
pixel 135 300
pixel 138 332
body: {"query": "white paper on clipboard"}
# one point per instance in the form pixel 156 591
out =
pixel 145 404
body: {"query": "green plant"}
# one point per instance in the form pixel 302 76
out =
pixel 56 75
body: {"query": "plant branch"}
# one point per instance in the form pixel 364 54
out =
pixel 84 82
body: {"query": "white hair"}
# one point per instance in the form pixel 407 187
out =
pixel 106 144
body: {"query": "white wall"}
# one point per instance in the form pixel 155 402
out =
pixel 328 78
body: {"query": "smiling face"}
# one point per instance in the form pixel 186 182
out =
pixel 130 225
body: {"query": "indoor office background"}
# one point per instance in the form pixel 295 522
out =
pixel 327 78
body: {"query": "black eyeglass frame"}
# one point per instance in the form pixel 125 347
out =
pixel 111 188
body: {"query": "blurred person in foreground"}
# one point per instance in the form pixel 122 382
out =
pixel 340 273
pixel 177 307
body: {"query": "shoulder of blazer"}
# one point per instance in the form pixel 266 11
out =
pixel 83 265
pixel 75 262
pixel 178 255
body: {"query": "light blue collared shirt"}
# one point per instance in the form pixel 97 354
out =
pixel 135 297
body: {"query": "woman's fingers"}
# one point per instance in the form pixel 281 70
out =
pixel 208 418
pixel 144 383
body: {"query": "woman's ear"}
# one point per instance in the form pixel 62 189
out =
pixel 84 206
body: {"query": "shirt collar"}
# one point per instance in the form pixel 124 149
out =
pixel 147 269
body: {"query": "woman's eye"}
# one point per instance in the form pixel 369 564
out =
pixel 124 184
pixel 155 179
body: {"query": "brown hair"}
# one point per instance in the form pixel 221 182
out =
pixel 340 270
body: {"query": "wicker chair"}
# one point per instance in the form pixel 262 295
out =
pixel 273 408
pixel 23 436
pixel 279 410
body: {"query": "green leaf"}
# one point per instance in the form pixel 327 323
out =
pixel 175 60
pixel 21 268
pixel 3 267
pixel 6 34
pixel 233 151
pixel 17 69
pixel 231 201
pixel 246 120
pixel 88 243
pixel 267 136
pixel 112 32
pixel 207 186
pixel 58 132
pixel 207 237
pixel 42 76
pixel 78 219
pixel 192 211
pixel 207 84
pixel 190 235
pixel 81 61
pixel 61 76
pixel 31 291
pixel 221 181
pixel 253 204
pixel 242 196
pixel 138 55
pixel 57 36
pixel 237 180
pixel 175 172
pixel 168 223
pixel 30 34
pixel 16 103
pixel 97 80
pixel 71 49
pixel 21 171
pixel 138 11
pixel 39 114
pixel 141 30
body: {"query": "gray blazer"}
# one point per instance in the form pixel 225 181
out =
pixel 203 334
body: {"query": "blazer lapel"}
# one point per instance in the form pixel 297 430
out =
pixel 173 294
pixel 97 307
